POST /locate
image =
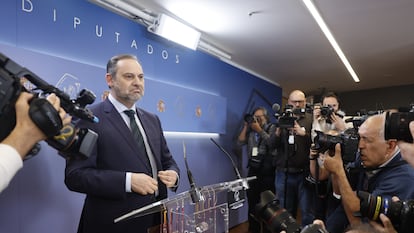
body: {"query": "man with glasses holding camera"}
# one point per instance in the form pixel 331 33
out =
pixel 256 134
pixel 292 164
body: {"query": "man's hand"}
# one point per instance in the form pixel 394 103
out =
pixel 143 184
pixel 385 227
pixel 338 122
pixel 334 164
pixel 168 177
pixel 256 126
pixel 301 131
pixel 25 133
pixel 316 112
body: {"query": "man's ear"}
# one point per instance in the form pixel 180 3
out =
pixel 392 143
pixel 109 80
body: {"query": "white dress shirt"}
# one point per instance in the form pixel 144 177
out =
pixel 10 163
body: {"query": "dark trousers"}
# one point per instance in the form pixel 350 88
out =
pixel 298 195
pixel 265 181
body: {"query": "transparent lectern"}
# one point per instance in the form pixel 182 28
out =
pixel 204 209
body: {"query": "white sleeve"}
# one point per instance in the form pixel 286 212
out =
pixel 10 163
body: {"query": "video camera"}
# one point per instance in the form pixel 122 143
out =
pixel 401 213
pixel 278 219
pixel 348 140
pixel 69 140
pixel 397 124
pixel 287 118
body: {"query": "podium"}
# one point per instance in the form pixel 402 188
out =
pixel 210 214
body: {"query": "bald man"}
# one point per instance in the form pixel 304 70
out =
pixel 379 170
pixel 292 165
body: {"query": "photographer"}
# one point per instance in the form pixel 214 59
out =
pixel 256 134
pixel 328 116
pixel 407 152
pixel 14 148
pixel 379 170
pixel 292 163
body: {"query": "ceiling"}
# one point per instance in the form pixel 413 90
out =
pixel 279 41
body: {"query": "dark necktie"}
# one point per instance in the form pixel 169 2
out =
pixel 140 141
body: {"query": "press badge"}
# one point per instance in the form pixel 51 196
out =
pixel 255 151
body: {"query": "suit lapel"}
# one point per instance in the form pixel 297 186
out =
pixel 122 129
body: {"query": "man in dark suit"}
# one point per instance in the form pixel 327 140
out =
pixel 125 171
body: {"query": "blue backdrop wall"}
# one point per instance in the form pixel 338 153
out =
pixel 67 43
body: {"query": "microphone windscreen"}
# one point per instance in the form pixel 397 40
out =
pixel 276 107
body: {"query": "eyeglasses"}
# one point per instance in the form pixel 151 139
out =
pixel 257 116
pixel 297 101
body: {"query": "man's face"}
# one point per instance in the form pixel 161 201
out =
pixel 128 85
pixel 297 100
pixel 260 117
pixel 331 101
pixel 374 148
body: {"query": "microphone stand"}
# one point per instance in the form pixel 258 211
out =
pixel 242 193
pixel 236 170
pixel 195 192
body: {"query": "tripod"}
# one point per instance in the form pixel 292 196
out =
pixel 289 151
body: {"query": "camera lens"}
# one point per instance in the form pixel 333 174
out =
pixel 400 213
pixel 248 118
pixel 276 218
pixel 397 126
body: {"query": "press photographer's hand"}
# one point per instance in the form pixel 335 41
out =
pixel 334 164
pixel 338 121
pixel 301 131
pixel 385 227
pixel 255 125
pixel 25 133
pixel 316 112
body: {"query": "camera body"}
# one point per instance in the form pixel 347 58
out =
pixel 327 111
pixel 249 118
pixel 278 219
pixel 287 118
pixel 69 140
pixel 348 140
pixel 397 124
pixel 401 213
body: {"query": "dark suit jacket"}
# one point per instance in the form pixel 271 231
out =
pixel 102 176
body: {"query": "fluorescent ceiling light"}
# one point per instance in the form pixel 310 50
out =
pixel 318 18
pixel 178 32
pixel 158 25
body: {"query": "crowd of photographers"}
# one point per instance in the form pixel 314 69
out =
pixel 356 174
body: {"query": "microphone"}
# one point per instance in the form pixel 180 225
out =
pixel 276 108
pixel 235 197
pixel 195 193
